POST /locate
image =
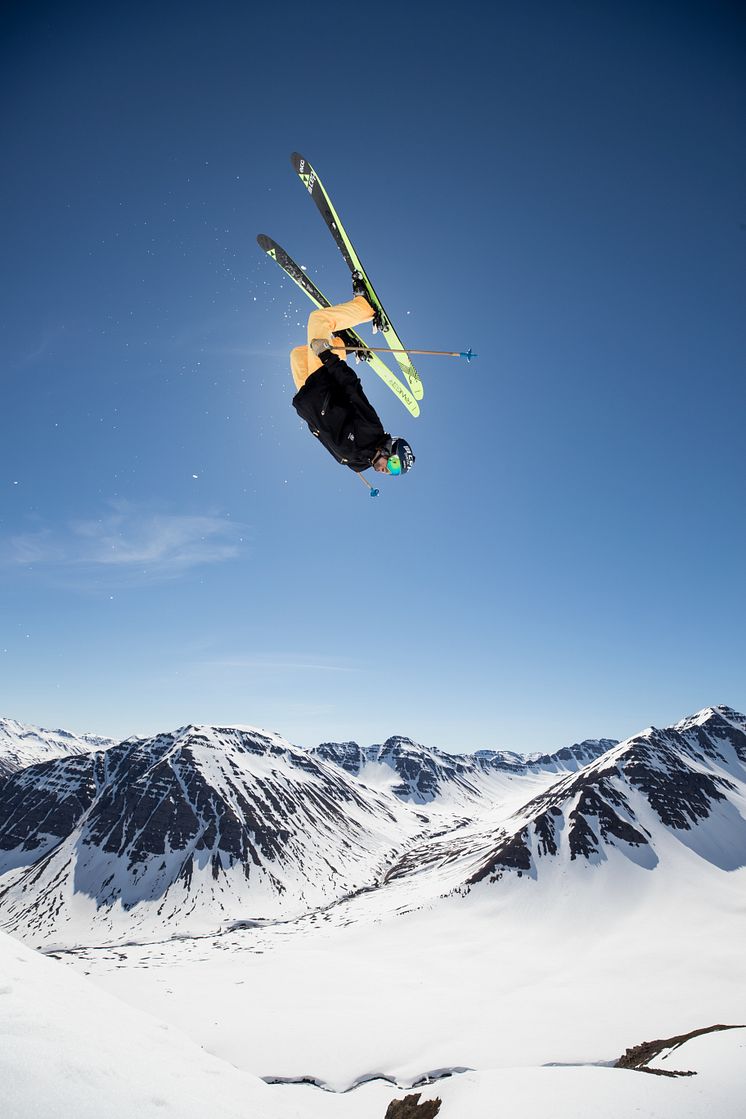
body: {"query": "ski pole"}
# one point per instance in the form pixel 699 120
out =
pixel 468 354
pixel 373 491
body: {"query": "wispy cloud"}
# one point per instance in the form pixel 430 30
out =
pixel 129 541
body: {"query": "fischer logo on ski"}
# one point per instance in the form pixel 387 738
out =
pixel 308 180
pixel 381 321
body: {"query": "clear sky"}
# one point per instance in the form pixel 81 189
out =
pixel 560 186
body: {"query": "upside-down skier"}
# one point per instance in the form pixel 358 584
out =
pixel 331 400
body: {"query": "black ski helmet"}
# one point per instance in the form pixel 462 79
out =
pixel 402 449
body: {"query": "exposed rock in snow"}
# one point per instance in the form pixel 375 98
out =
pixel 218 825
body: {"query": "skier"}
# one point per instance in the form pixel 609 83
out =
pixel 331 400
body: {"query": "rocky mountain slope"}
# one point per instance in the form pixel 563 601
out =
pixel 687 782
pixel 198 825
pixel 212 825
pixel 422 775
pixel 682 788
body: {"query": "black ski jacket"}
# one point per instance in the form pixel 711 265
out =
pixel 339 414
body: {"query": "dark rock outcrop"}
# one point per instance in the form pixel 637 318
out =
pixel 410 1108
pixel 639 1056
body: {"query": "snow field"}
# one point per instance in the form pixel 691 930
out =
pixel 73 1052
pixel 70 1051
pixel 573 975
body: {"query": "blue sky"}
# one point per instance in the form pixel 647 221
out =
pixel 558 185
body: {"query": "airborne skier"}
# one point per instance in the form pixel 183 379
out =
pixel 331 400
pixel 330 397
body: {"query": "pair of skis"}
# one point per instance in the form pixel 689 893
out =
pixel 409 393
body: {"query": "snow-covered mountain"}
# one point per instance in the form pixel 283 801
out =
pixel 571 758
pixel 421 774
pixel 205 826
pixel 662 790
pixel 198 825
pixel 533 912
pixel 687 782
pixel 21 745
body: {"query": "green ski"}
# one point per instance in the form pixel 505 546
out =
pixel 315 188
pixel 349 338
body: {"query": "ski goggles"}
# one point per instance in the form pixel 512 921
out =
pixel 393 462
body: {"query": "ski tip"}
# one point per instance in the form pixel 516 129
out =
pixel 296 159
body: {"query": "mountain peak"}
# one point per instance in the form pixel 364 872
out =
pixel 205 823
pixel 719 715
pixel 22 745
pixel 687 781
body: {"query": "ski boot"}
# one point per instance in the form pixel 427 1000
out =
pixel 359 287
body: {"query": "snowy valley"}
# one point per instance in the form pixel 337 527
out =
pixel 338 926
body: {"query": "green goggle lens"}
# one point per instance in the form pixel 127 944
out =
pixel 393 464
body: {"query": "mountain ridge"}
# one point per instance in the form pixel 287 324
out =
pixel 191 824
pixel 23 745
pixel 206 824
pixel 420 774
